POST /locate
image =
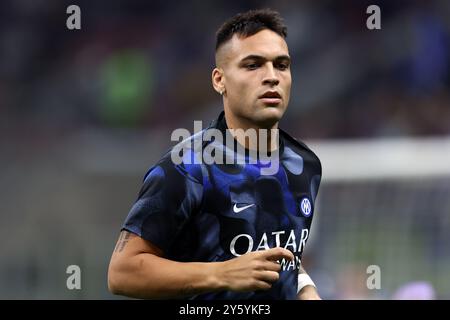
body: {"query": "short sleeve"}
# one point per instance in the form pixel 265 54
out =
pixel 165 203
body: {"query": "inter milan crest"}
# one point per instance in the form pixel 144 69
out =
pixel 305 207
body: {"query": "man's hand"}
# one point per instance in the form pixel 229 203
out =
pixel 252 271
pixel 308 293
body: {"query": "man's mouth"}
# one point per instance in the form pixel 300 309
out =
pixel 271 97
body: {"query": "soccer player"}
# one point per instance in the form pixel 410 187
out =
pixel 227 230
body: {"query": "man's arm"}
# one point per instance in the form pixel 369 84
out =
pixel 138 269
pixel 308 292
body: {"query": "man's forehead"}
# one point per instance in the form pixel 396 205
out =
pixel 264 43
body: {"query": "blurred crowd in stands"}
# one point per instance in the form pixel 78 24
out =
pixel 147 65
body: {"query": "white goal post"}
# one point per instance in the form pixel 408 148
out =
pixel 386 158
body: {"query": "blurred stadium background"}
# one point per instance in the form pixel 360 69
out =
pixel 84 113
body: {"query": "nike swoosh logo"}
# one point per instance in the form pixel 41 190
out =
pixel 237 210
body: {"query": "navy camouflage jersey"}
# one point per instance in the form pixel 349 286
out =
pixel 198 212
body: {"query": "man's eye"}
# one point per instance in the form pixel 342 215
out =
pixel 251 66
pixel 283 66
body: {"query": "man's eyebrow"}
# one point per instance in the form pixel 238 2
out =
pixel 283 57
pixel 257 57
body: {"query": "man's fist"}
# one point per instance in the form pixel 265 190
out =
pixel 252 271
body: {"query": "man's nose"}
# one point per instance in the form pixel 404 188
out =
pixel 270 76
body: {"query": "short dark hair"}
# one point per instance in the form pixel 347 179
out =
pixel 248 23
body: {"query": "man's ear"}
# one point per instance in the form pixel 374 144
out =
pixel 218 80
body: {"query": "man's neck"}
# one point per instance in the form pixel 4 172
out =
pixel 249 134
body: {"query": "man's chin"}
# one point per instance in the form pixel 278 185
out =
pixel 269 116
